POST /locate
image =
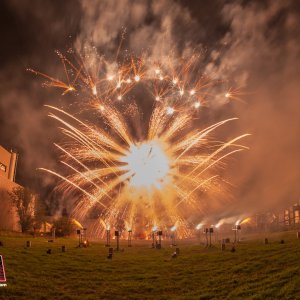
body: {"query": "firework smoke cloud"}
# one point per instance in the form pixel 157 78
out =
pixel 259 87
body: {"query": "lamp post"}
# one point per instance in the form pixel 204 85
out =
pixel 217 227
pixel 78 231
pixel 85 242
pixel 159 233
pixel 198 233
pixel 205 231
pixel 107 237
pixel 153 239
pixel 129 237
pixel 211 231
pixel 173 238
pixel 154 229
pixel 236 229
pixel 173 235
pixel 117 235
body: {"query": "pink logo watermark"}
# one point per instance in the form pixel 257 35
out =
pixel 2 271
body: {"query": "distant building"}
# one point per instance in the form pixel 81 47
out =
pixel 282 219
pixel 8 164
pixel 291 216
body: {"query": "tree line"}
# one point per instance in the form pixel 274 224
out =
pixel 32 212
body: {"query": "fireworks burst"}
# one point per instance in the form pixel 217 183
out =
pixel 135 173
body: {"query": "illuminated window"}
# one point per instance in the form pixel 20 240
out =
pixel 2 167
pixel 297 216
pixel 287 217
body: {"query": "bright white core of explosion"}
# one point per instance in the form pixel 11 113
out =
pixel 147 165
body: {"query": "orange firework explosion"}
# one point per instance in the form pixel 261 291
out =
pixel 139 174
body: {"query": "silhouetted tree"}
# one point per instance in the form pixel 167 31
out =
pixel 39 213
pixel 24 201
pixel 64 212
pixel 52 199
pixel 63 226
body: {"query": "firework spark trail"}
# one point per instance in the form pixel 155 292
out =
pixel 137 182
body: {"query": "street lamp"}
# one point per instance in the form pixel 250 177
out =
pixel 78 231
pixel 107 237
pixel 117 235
pixel 217 227
pixel 85 242
pixel 129 237
pixel 158 245
pixel 198 227
pixel 211 231
pixel 173 235
pixel 205 231
pixel 236 230
pixel 153 236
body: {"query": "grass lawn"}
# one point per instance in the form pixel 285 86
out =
pixel 254 271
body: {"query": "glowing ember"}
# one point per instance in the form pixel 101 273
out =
pixel 173 228
pixel 110 77
pixel 199 226
pixel 170 110
pixel 197 104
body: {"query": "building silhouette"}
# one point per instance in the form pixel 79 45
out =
pixel 8 164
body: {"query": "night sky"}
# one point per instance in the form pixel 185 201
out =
pixel 257 48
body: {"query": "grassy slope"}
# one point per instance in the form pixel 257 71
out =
pixel 254 271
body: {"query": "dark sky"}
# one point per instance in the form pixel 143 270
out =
pixel 256 44
pixel 31 31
